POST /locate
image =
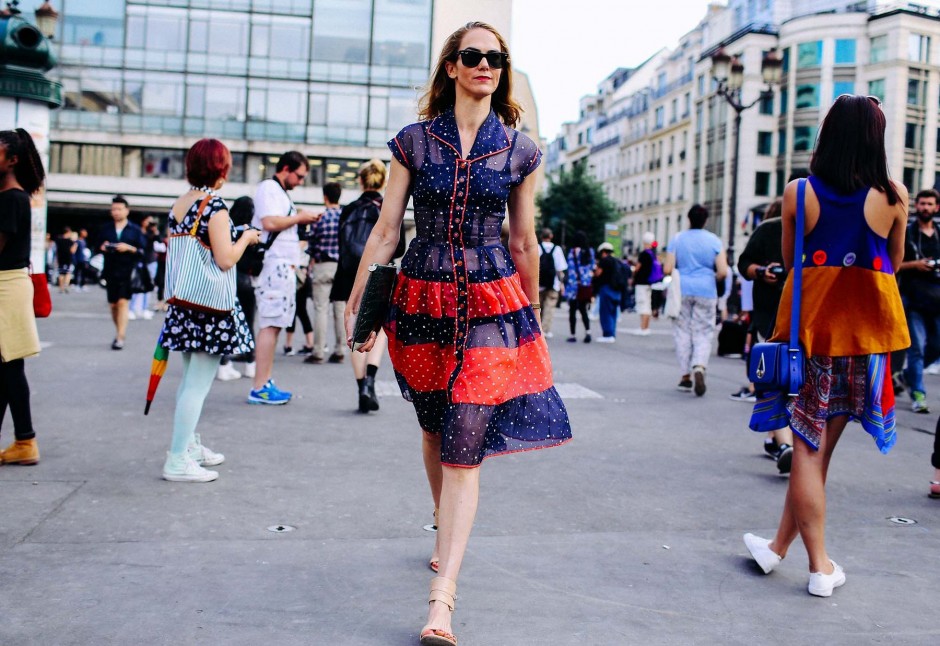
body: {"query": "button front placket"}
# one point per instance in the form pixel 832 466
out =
pixel 458 214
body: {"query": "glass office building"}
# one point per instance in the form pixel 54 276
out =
pixel 144 78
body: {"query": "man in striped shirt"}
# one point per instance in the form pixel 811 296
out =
pixel 323 247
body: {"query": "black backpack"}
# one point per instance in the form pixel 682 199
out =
pixel 547 267
pixel 620 277
pixel 355 229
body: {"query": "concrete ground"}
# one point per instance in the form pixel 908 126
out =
pixel 631 534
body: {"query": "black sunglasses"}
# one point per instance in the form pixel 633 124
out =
pixel 472 58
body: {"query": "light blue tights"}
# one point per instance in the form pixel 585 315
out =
pixel 199 370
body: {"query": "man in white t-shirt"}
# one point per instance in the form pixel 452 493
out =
pixel 276 289
pixel 548 296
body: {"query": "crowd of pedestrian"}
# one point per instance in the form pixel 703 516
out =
pixel 469 316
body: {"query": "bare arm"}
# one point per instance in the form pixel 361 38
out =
pixel 669 263
pixel 898 232
pixel 281 222
pixel 225 253
pixel 523 244
pixel 721 265
pixel 382 241
pixel 788 217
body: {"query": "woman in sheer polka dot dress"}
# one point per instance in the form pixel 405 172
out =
pixel 464 332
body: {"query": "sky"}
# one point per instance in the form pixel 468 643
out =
pixel 567 48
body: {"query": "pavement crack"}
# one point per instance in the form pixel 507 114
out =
pixel 51 512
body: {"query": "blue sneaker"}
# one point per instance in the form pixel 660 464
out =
pixel 270 395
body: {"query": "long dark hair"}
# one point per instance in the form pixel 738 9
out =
pixel 441 93
pixel 28 169
pixel 850 149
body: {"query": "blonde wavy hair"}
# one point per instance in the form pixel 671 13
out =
pixel 441 93
pixel 372 175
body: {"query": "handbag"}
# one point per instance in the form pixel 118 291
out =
pixel 376 299
pixel 776 365
pixel 42 301
pixel 673 306
pixel 193 279
pixel 140 280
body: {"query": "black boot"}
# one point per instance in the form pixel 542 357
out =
pixel 371 398
pixel 363 395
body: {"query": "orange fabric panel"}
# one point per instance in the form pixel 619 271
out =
pixel 426 367
pixel 847 311
pixel 491 376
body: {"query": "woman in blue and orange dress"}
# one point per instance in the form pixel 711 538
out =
pixel 464 333
pixel 852 319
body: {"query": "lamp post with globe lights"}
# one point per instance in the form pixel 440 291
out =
pixel 728 73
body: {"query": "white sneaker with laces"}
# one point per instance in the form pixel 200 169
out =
pixel 822 585
pixel 203 455
pixel 250 370
pixel 227 373
pixel 147 315
pixel 760 551
pixel 183 468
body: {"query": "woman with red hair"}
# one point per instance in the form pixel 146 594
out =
pixel 203 337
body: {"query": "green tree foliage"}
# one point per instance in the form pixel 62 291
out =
pixel 576 202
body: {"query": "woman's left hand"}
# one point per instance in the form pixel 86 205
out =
pixel 349 319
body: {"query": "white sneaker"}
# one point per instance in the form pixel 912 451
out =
pixel 250 370
pixel 760 551
pixel 640 332
pixel 548 335
pixel 183 468
pixel 607 339
pixel 146 315
pixel 227 373
pixel 933 369
pixel 203 455
pixel 131 316
pixel 822 585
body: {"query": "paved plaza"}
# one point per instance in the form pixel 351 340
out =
pixel 630 534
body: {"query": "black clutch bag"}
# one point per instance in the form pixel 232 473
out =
pixel 375 302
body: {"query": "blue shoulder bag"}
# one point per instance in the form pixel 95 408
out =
pixel 779 366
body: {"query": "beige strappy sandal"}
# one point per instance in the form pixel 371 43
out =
pixel 435 563
pixel 445 591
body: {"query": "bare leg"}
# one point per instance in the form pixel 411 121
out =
pixel 804 511
pixel 644 321
pixel 460 492
pixel 431 448
pixel 119 313
pixel 264 355
pixel 783 435
pixel 358 361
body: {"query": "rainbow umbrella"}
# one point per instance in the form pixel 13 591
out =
pixel 157 369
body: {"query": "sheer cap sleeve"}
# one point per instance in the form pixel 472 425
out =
pixel 409 146
pixel 526 157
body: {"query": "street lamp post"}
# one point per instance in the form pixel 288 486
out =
pixel 728 72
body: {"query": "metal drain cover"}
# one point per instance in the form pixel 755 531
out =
pixel 897 520
pixel 281 529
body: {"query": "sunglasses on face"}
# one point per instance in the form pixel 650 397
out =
pixel 472 58
pixel 300 178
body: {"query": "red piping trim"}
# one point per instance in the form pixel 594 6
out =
pixel 403 155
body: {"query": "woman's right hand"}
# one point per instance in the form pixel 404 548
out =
pixel 252 236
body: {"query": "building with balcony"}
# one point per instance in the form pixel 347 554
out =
pixel 886 49
pixel 143 79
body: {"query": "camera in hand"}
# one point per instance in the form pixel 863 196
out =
pixel 239 230
pixel 776 270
